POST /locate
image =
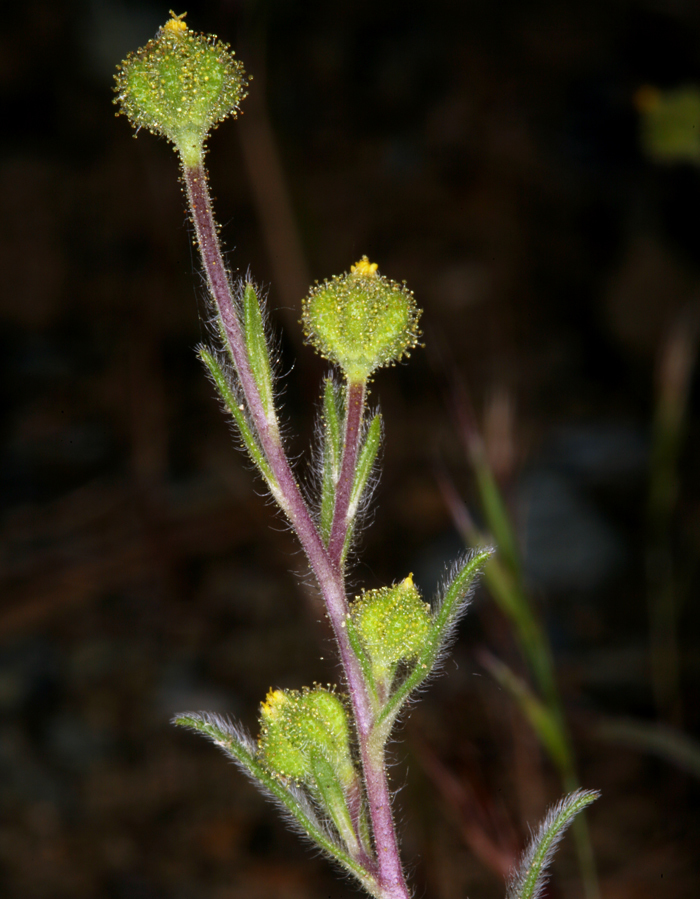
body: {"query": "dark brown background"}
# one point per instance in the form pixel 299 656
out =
pixel 488 153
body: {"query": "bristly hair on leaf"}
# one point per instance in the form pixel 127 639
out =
pixel 532 873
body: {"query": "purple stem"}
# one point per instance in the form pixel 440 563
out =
pixel 328 574
pixel 354 414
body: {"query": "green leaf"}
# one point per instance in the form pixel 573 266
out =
pixel 332 799
pixel 242 749
pixel 332 418
pixel 531 874
pixel 231 402
pixel 365 464
pixel 258 354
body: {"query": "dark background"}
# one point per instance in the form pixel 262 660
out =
pixel 489 154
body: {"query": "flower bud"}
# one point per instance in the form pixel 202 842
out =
pixel 361 320
pixel 393 624
pixel 297 727
pixel 179 86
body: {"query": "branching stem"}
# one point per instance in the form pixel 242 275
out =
pixel 326 564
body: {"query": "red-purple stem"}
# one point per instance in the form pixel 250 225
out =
pixel 354 414
pixel 328 574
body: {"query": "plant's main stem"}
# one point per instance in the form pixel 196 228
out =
pixel 327 571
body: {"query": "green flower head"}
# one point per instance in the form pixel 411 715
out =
pixel 361 320
pixel 394 624
pixel 296 726
pixel 180 85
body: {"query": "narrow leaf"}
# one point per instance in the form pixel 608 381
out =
pixel 258 353
pixel 532 872
pixel 332 417
pixel 231 402
pixel 365 463
pixel 333 800
pixel 242 749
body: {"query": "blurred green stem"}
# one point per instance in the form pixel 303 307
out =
pixel 673 373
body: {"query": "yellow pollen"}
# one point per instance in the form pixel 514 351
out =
pixel 273 701
pixel 175 24
pixel 364 267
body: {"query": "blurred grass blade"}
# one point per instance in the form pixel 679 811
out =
pixel 505 586
pixel 674 369
pixel 658 739
pixel 542 719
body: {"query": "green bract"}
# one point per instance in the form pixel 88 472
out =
pixel 361 320
pixel 298 727
pixel 180 85
pixel 393 624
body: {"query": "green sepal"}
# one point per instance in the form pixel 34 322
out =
pixel 530 875
pixel 256 344
pixel 332 454
pixel 444 618
pixel 232 405
pixel 331 797
pixel 242 750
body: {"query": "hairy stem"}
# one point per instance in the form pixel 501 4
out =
pixel 327 571
pixel 354 414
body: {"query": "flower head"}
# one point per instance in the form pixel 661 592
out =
pixel 180 85
pixel 361 320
